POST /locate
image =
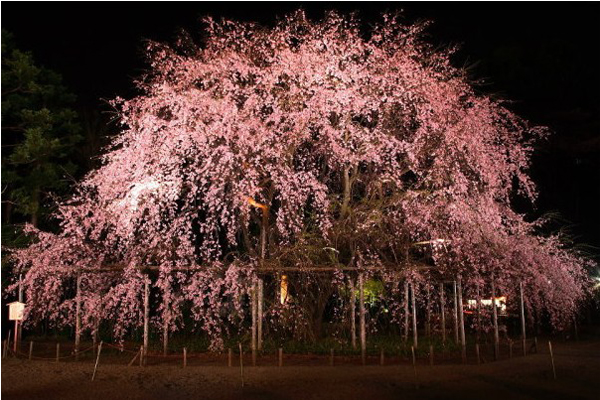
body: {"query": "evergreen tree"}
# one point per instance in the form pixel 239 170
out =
pixel 39 131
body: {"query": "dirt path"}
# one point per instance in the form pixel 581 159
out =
pixel 578 370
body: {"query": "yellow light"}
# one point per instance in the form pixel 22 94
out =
pixel 283 289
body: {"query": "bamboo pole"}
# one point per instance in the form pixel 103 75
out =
pixel 165 334
pixel 146 317
pixel 414 363
pixel 552 359
pixel 495 320
pixel 142 353
pixel 463 343
pixel 30 350
pixel 78 317
pixel 414 316
pixel 254 321
pixel 241 363
pixel 406 296
pixel 428 326
pixel 259 299
pixel 280 357
pixel 523 329
pixel 478 312
pixel 443 312
pixel 363 327
pixel 57 351
pixel 184 357
pixel 455 313
pixel 331 355
pixel 353 314
pixel 97 360
pixel 4 347
pixel 430 354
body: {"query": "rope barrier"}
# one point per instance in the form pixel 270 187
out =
pixel 25 355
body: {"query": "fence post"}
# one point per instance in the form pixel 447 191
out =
pixel 280 351
pixel 97 360
pixel 552 359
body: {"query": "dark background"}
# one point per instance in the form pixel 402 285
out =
pixel 542 56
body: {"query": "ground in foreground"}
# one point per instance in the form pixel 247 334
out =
pixel 577 368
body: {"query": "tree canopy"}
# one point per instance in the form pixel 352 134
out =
pixel 344 148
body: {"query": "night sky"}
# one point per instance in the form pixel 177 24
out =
pixel 543 56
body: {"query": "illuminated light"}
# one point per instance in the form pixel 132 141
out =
pixel 434 241
pixel 256 204
pixel 500 302
pixel 283 289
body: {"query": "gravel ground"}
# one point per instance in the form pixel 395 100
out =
pixel 577 367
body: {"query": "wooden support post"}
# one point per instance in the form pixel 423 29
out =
pixel 455 313
pixel 510 348
pixel 406 296
pixel 146 317
pixel 138 354
pixel 428 326
pixel 414 315
pixel 495 321
pixel 253 300
pixel 331 354
pixel 4 348
pixel 477 353
pixel 463 342
pixel 97 360
pixel 430 354
pixel 478 312
pixel 523 329
pixel 78 317
pixel 280 357
pixel 20 325
pixel 165 331
pixel 241 363
pixel 16 339
pixel 552 359
pixel 57 351
pixel 382 357
pixel 30 350
pixel 260 302
pixel 443 312
pixel 184 357
pixel 414 363
pixel 229 357
pixel 95 336
pixel 7 343
pixel 363 326
pixel 535 344
pixel 142 353
pixel 353 314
